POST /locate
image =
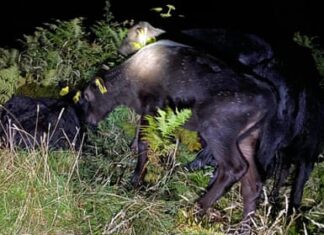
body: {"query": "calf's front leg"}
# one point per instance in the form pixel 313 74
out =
pixel 142 158
pixel 135 143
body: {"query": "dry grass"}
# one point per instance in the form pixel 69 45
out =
pixel 69 192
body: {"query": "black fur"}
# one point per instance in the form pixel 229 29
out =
pixel 29 122
pixel 292 133
pixel 230 110
pixel 296 129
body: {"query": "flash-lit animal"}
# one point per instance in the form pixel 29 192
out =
pixel 295 131
pixel 230 110
pixel 241 51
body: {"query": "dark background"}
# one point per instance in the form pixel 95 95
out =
pixel 274 20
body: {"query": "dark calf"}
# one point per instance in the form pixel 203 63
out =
pixel 295 129
pixel 229 110
pixel 242 51
pixel 28 122
pixel 292 133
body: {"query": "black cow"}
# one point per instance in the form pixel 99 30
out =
pixel 230 110
pixel 29 122
pixel 297 126
pixel 295 129
pixel 241 51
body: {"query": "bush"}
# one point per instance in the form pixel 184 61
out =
pixel 60 51
pixel 66 192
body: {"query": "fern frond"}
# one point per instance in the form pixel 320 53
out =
pixel 109 35
pixel 8 57
pixel 169 121
pixel 9 80
pixel 163 129
pixel 65 47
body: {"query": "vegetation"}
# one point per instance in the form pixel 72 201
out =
pixel 9 73
pixel 163 135
pixel 60 51
pixel 318 53
pixel 46 192
pixel 88 192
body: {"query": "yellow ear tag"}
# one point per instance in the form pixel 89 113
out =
pixel 76 97
pixel 101 87
pixel 136 45
pixel 150 40
pixel 143 39
pixel 64 91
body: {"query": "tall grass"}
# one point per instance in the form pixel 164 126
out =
pixel 70 192
pixel 36 195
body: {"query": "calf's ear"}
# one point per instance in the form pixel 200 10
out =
pixel 151 31
pixel 145 34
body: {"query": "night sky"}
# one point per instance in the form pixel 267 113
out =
pixel 274 20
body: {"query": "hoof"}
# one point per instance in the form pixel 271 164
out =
pixel 211 215
pixel 134 147
pixel 136 181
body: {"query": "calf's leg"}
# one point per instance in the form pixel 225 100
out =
pixel 303 171
pixel 142 158
pixel 280 177
pixel 231 167
pixel 232 140
pixel 251 181
pixel 135 143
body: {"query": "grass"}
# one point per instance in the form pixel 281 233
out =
pixel 35 193
pixel 88 192
pixel 68 192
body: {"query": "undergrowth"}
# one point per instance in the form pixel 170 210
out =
pixel 68 192
pixel 88 192
pixel 59 51
pixel 316 50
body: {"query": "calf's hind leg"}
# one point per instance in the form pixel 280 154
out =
pixel 251 182
pixel 303 171
pixel 231 167
pixel 233 147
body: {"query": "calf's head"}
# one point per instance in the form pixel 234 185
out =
pixel 139 36
pixel 95 101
